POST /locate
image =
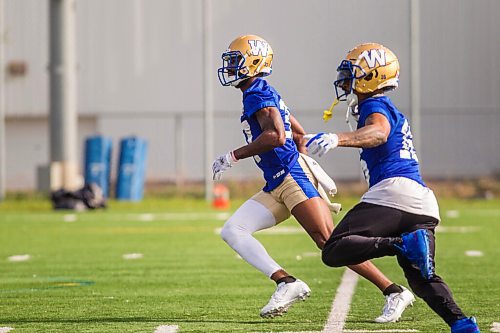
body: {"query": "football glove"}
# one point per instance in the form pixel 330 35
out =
pixel 319 144
pixel 222 163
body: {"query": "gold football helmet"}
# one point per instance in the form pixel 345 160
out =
pixel 247 56
pixel 367 67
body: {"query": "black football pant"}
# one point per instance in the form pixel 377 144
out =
pixel 369 231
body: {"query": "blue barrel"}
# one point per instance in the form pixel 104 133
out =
pixel 98 162
pixel 131 169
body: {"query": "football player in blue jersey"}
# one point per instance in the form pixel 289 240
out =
pixel 272 134
pixel 399 213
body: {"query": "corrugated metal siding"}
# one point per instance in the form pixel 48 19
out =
pixel 27 41
pixel 140 62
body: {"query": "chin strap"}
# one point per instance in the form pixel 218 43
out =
pixel 347 113
pixel 352 103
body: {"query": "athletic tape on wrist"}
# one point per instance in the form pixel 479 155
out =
pixel 232 156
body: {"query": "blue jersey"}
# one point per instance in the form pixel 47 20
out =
pixel 396 157
pixel 276 163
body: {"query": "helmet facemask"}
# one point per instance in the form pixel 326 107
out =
pixel 233 69
pixel 344 86
pixel 346 79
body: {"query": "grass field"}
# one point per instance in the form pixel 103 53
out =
pixel 77 280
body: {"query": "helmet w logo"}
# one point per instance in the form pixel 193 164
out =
pixel 258 47
pixel 373 56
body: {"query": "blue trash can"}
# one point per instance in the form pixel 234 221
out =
pixel 131 169
pixel 98 162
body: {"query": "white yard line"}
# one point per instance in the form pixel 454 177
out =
pixel 341 303
pixel 167 329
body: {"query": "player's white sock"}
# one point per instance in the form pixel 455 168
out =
pixel 237 232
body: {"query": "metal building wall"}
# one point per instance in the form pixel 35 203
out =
pixel 140 72
pixel 460 94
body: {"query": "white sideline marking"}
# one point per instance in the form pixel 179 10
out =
pixel 166 329
pixel 474 253
pixel 341 303
pixel 69 218
pixel 495 327
pixel 19 257
pixel 132 256
pixel 5 329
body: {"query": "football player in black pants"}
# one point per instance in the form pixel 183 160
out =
pixel 398 214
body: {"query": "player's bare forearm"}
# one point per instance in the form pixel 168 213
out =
pixel 298 134
pixel 267 141
pixel 373 134
pixel 366 137
pixel 272 136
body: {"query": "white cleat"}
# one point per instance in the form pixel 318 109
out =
pixel 394 306
pixel 285 295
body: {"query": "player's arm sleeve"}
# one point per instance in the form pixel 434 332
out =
pixel 298 133
pixel 256 102
pixel 374 109
pixel 377 109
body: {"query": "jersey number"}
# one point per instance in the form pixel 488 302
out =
pixel 288 125
pixel 407 151
pixel 248 137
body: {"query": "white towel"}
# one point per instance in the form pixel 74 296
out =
pixel 325 183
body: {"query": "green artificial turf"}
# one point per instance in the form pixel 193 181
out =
pixel 76 279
